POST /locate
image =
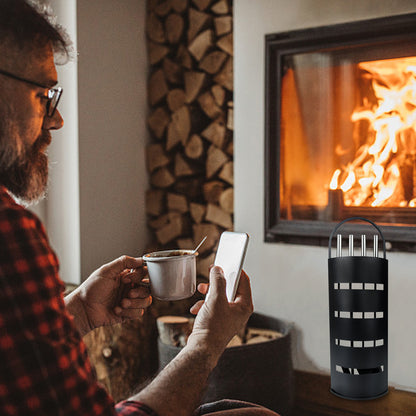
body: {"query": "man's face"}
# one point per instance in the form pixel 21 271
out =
pixel 24 124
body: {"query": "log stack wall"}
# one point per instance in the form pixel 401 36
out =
pixel 190 152
pixel 190 163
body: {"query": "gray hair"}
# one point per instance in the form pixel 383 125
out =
pixel 29 23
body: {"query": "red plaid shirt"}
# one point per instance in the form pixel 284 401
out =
pixel 44 366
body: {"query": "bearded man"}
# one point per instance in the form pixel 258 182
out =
pixel 44 365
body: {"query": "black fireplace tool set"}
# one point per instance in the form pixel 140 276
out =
pixel 358 315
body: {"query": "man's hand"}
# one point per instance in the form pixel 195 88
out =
pixel 218 320
pixel 114 293
pixel 183 380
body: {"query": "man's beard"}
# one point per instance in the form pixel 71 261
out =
pixel 26 174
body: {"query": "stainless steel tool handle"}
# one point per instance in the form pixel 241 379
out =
pixel 356 219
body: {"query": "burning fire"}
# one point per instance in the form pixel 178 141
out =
pixel 383 172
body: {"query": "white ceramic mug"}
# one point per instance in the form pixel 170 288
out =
pixel 172 273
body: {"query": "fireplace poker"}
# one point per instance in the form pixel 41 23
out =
pixel 339 245
pixel 363 245
pixel 351 245
pixel 375 248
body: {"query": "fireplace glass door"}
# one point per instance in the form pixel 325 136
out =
pixel 341 129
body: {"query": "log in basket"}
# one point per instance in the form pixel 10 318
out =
pixel 259 373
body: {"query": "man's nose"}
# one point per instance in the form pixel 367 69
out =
pixel 53 123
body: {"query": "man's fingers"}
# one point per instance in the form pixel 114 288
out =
pixel 203 288
pixel 141 292
pixel 196 308
pixel 136 275
pixel 139 303
pixel 129 313
pixel 132 308
pixel 244 290
pixel 116 266
pixel 217 280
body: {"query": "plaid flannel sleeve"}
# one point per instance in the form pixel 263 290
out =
pixel 132 408
pixel 44 366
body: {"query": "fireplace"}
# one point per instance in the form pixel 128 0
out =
pixel 341 130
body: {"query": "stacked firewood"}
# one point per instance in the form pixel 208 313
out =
pixel 190 154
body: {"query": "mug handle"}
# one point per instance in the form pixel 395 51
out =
pixel 141 283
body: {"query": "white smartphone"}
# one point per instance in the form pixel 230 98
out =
pixel 230 255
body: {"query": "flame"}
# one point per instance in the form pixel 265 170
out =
pixel 334 181
pixel 374 177
pixel 349 182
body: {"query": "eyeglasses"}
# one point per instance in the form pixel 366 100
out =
pixel 53 97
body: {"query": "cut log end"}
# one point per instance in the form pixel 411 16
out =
pixel 174 330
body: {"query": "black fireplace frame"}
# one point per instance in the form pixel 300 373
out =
pixel 277 46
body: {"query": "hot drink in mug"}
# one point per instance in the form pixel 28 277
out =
pixel 172 273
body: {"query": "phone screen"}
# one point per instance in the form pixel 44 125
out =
pixel 230 257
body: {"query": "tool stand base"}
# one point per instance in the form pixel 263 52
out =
pixel 358 398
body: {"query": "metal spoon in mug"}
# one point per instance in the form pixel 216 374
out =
pixel 199 245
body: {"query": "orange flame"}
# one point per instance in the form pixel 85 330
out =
pixel 374 178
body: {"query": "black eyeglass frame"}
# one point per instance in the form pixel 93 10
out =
pixel 50 109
